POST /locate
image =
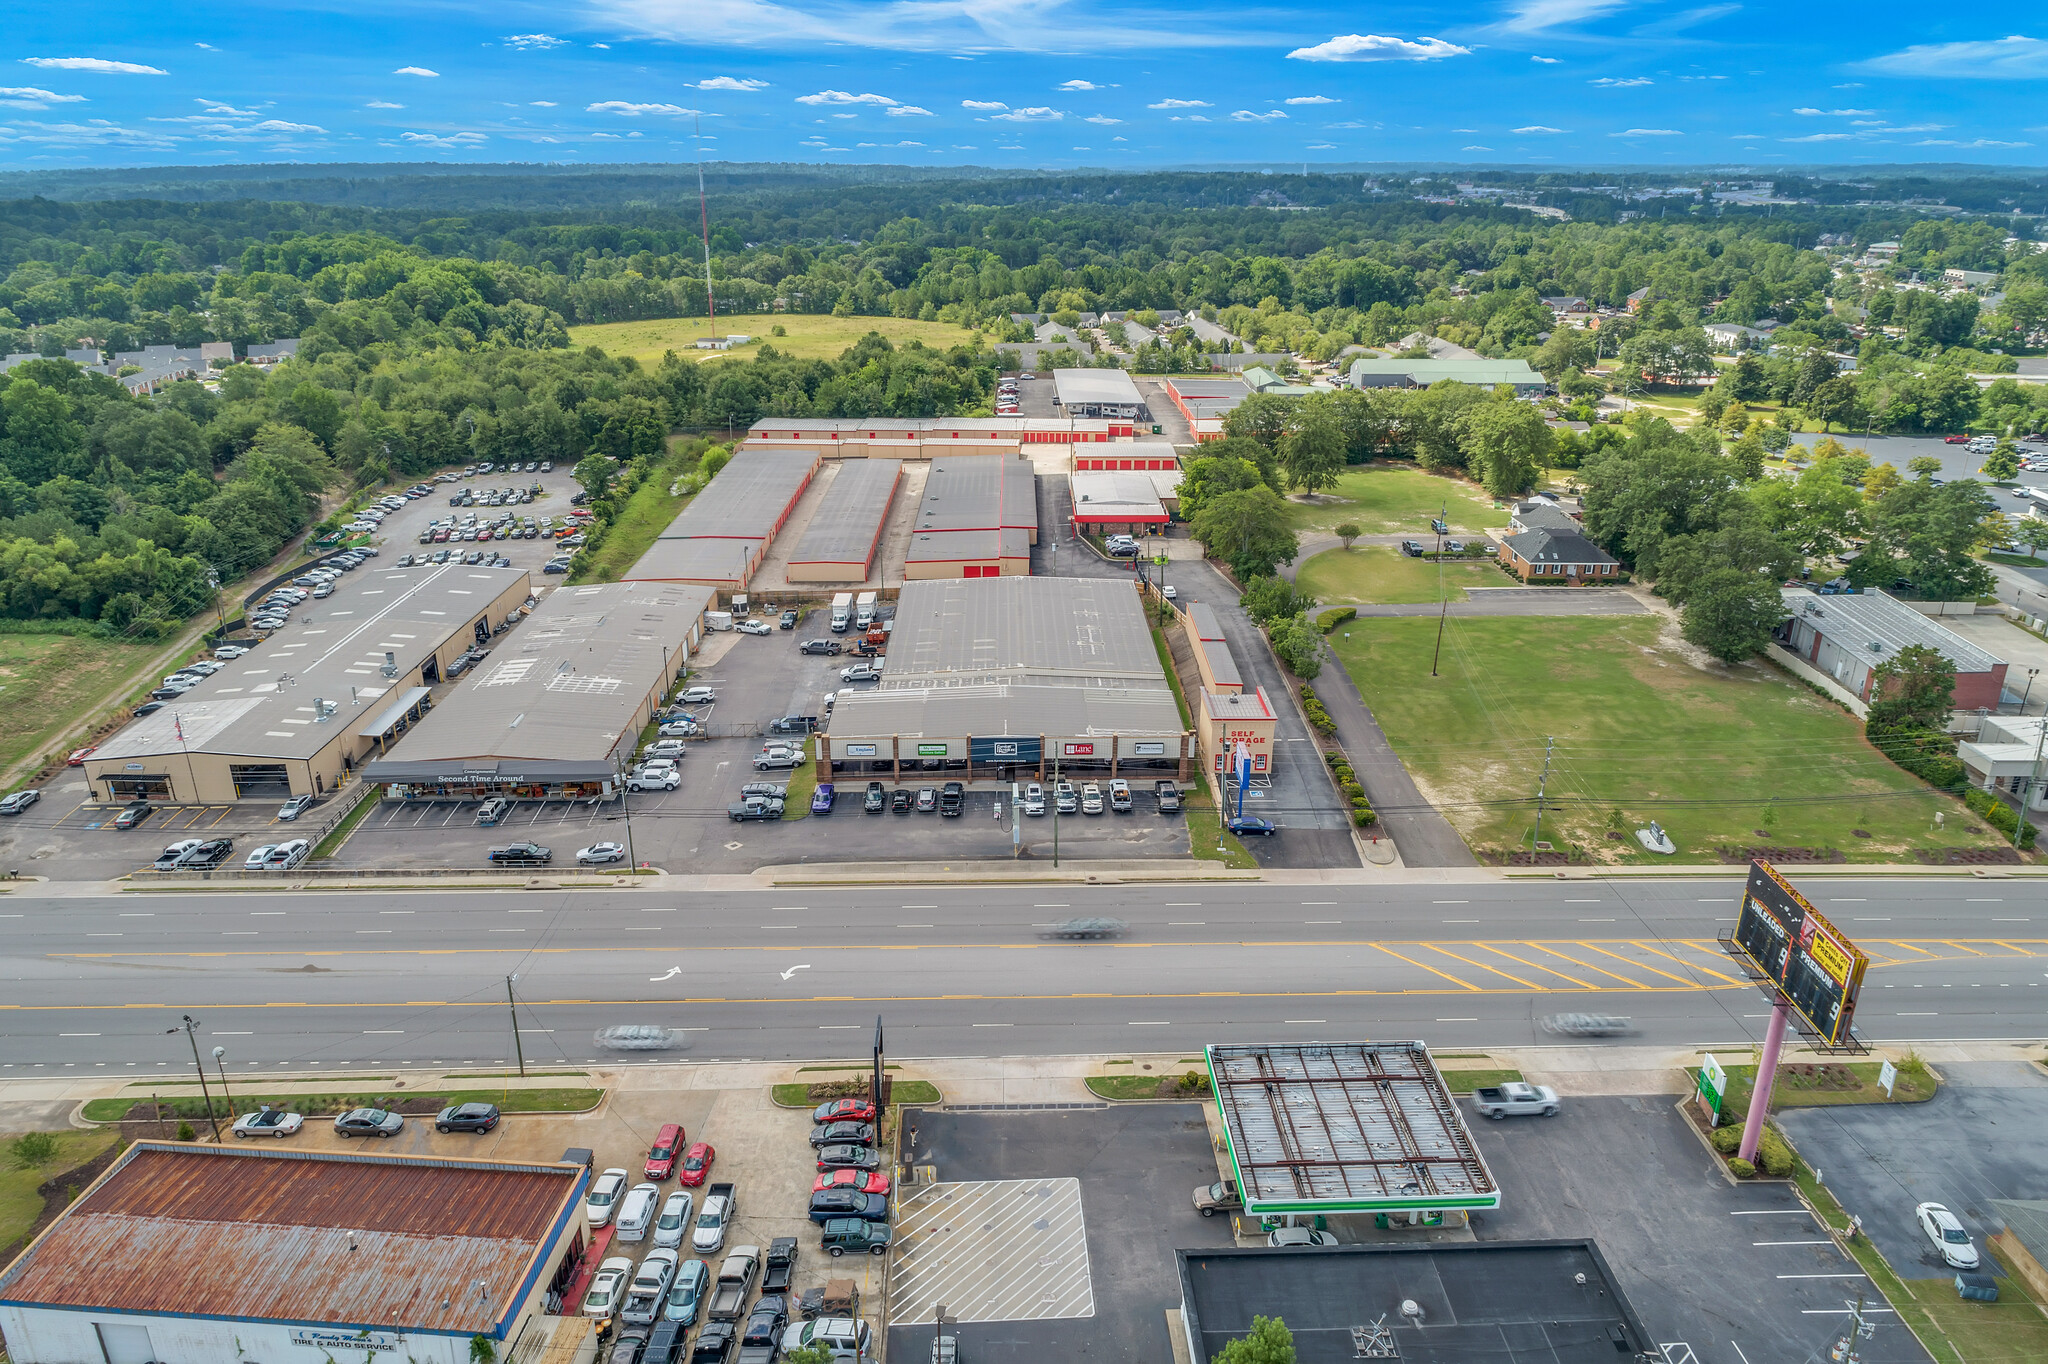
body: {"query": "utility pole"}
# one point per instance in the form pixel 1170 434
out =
pixel 2033 780
pixel 626 810
pixel 518 1049
pixel 1542 783
pixel 1443 602
pixel 191 1025
pixel 1055 811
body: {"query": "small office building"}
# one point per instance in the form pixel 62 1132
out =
pixel 1558 556
pixel 1850 635
pixel 1123 502
pixel 1009 679
pixel 977 518
pixel 839 545
pixel 311 704
pixel 1480 373
pixel 1098 393
pixel 555 712
pixel 184 1254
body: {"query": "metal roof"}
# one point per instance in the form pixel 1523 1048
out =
pixel 848 524
pixel 261 704
pixel 697 561
pixel 1096 388
pixel 1874 625
pixel 1423 373
pixel 748 498
pixel 992 707
pixel 1203 387
pixel 1345 1127
pixel 393 1242
pixel 1066 628
pixel 1111 495
pixel 394 712
pixel 975 507
pixel 571 684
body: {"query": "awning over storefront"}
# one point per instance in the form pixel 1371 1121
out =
pixel 488 772
pixel 388 718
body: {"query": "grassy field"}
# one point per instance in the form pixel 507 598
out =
pixel 1377 574
pixel 20 1204
pixel 647 513
pixel 811 336
pixel 1641 734
pixel 49 683
pixel 1381 499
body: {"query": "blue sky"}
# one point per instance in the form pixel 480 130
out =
pixel 1025 82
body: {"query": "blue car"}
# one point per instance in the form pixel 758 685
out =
pixel 1250 824
pixel 821 799
pixel 686 1294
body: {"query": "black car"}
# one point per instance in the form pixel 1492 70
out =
pixel 208 855
pixel 1412 548
pixel 1242 825
pixel 842 1234
pixel 951 798
pixel 766 1323
pixel 843 1134
pixel 899 800
pixel 819 646
pixel 522 854
pixel 875 798
pixel 789 620
pixel 714 1343
pixel 848 1158
pixel 827 1204
pixel 793 724
pixel 148 708
pixel 467 1118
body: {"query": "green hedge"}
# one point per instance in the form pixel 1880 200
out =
pixel 1312 707
pixel 2000 816
pixel 1337 618
pixel 1927 753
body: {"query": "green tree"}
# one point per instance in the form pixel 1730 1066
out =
pixel 1270 1342
pixel 1312 451
pixel 817 1352
pixel 1924 467
pixel 1834 401
pixel 1264 417
pixel 1247 529
pixel 1930 536
pixel 318 410
pixel 1917 685
pixel 2002 465
pixel 594 472
pixel 1347 531
pixel 1214 475
pixel 1299 646
pixel 1506 442
pixel 1731 614
pixel 1269 599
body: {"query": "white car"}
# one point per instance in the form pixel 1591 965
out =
pixel 285 856
pixel 709 1233
pixel 679 729
pixel 173 855
pixel 229 651
pixel 20 801
pixel 674 1221
pixel 652 778
pixel 603 1195
pixel 269 1122
pixel 608 1288
pixel 1300 1238
pixel 636 1212
pixel 665 748
pixel 698 696
pixel 754 627
pixel 1091 799
pixel 598 853
pixel 1948 1236
pixel 260 858
pixel 1034 799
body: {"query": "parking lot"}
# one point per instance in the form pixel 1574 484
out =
pixel 1739 1273
pixel 1125 1173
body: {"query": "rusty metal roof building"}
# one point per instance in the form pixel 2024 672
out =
pixel 1325 1127
pixel 391 1244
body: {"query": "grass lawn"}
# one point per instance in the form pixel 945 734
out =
pixel 901 1092
pixel 1465 1081
pixel 1146 1087
pixel 1713 756
pixel 50 683
pixel 20 1204
pixel 647 513
pixel 319 1105
pixel 802 782
pixel 1376 574
pixel 1819 1085
pixel 2016 560
pixel 1381 499
pixel 1207 839
pixel 811 336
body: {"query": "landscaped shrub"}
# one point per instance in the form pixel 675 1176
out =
pixel 1727 1140
pixel 1741 1169
pixel 1318 716
pixel 1361 812
pixel 1999 815
pixel 1927 753
pixel 1337 618
pixel 1773 1154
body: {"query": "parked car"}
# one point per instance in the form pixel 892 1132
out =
pixel 1222 1196
pixel 754 810
pixel 661 1157
pixel 900 800
pixel 1091 799
pixel 1412 548
pixel 1167 794
pixel 258 858
pixel 368 1122
pixel 134 815
pixel 636 1212
pixel 208 855
pixel 860 1181
pixel 793 724
pixel 848 1158
pixel 754 627
pixel 296 806
pixel 843 1134
pixel 832 1203
pixel 697 696
pixel 839 1235
pixel 686 1294
pixel 697 1163
pixel 1065 799
pixel 599 853
pixel 77 756
pixel 821 798
pixel 522 854
pixel 844 1110
pixel 1120 796
pixel 20 801
pixel 268 1122
pixel 927 799
pixel 473 1117
pixel 778 756
pixel 1946 1232
pixel 952 800
pixel 170 857
pixel 1034 799
pixel 603 1197
pixel 607 1292
pixel 674 1221
pixel 788 621
pixel 860 672
pixel 1299 1238
pixel 1242 825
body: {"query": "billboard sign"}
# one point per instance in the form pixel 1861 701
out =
pixel 1819 970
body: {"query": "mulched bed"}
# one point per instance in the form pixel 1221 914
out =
pixel 1735 855
pixel 1970 857
pixel 141 1120
pixel 59 1191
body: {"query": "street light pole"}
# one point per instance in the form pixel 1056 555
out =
pixel 218 1053
pixel 518 1049
pixel 191 1025
pixel 626 809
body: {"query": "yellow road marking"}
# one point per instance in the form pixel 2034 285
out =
pixel 1425 966
pixel 1704 970
pixel 1505 975
pixel 1642 965
pixel 1626 980
pixel 1536 966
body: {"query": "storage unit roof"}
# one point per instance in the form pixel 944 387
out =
pixel 1345 1127
pixel 848 522
pixel 697 561
pixel 1423 373
pixel 975 507
pixel 569 684
pixel 1046 627
pixel 1096 388
pixel 749 497
pixel 302 1236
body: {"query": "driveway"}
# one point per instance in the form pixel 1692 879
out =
pixel 1523 601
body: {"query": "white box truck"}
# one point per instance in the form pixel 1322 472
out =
pixel 842 612
pixel 864 611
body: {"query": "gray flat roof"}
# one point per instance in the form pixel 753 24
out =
pixel 569 684
pixel 1345 1127
pixel 698 561
pixel 848 524
pixel 1875 625
pixel 1502 1302
pixel 975 507
pixel 1422 373
pixel 988 708
pixel 1096 387
pixel 1106 494
pixel 261 705
pixel 1042 627
pixel 748 498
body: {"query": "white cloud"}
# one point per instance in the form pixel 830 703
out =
pixel 602 47
pixel 1189 118
pixel 1537 16
pixel 1476 149
pixel 959 29
pixel 1821 137
pixel 842 97
pixel 1313 99
pixel 1649 132
pixel 909 111
pixel 543 103
pixel 1247 116
pixel 414 71
pixel 97 132
pixel 450 142
pixel 1547 61
pixel 207 46
pixel 30 97
pixel 1371 47
pixel 1980 142
pixel 1322 146
pixel 1539 128
pixel 541 41
pixel 1685 19
pixel 1180 104
pixel 1852 85
pixel 1834 113
pixel 278 125
pixel 99 64
pixel 1037 113
pixel 1079 85
pixel 1610 83
pixel 731 83
pixel 628 110
pixel 2014 58
pixel 382 104
pixel 985 104
pixel 1104 119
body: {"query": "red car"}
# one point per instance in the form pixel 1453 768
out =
pixel 661 1157
pixel 1956 440
pixel 78 756
pixel 697 1163
pixel 844 1110
pixel 862 1180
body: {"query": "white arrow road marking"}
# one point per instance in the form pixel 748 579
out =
pixel 673 972
pixel 793 970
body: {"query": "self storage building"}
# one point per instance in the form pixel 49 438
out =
pixel 977 518
pixel 722 536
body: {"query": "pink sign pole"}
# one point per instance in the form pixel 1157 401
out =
pixel 1766 1076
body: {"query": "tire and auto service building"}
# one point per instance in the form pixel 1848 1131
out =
pixel 722 536
pixel 192 1254
pixel 555 713
pixel 1004 680
pixel 317 699
pixel 978 518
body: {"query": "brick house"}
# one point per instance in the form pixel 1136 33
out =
pixel 1558 556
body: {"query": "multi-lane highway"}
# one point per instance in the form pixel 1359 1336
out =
pixel 350 979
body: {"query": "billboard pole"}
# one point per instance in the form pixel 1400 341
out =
pixel 1766 1077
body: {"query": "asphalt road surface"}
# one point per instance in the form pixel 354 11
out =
pixel 353 979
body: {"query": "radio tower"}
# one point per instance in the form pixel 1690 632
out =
pixel 704 223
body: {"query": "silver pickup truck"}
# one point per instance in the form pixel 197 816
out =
pixel 1511 1099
